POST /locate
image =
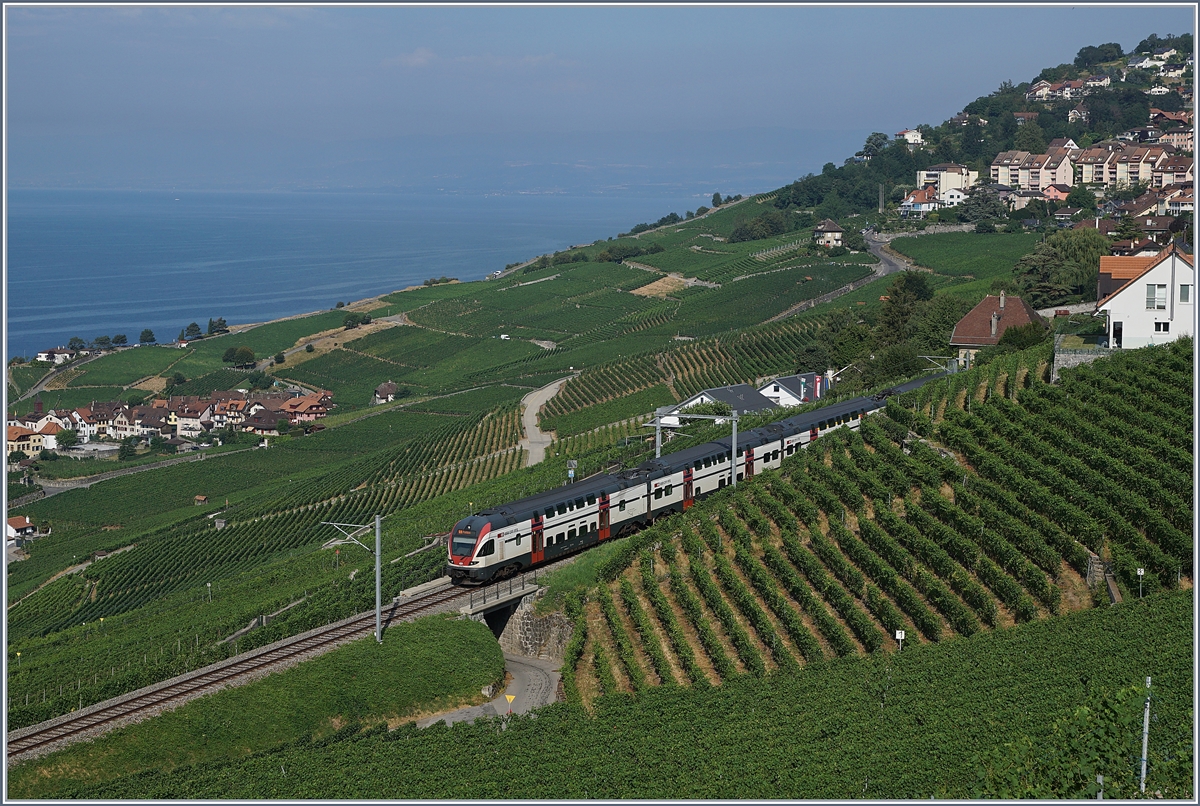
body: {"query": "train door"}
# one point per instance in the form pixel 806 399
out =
pixel 605 517
pixel 813 434
pixel 537 550
pixel 750 463
pixel 687 488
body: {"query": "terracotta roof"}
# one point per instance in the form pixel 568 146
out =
pixel 975 329
pixel 20 522
pixel 16 432
pixel 1131 268
pixel 50 428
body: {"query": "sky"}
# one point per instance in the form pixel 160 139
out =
pixel 505 99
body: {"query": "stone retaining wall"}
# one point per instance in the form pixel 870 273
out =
pixel 534 636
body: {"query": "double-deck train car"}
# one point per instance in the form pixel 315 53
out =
pixel 504 540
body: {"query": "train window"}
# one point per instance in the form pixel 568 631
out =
pixel 518 540
pixel 570 534
pixel 670 487
pixel 591 500
pixel 593 527
pixel 562 509
pixel 579 503
pixel 739 476
pixel 774 456
pixel 489 548
pixel 657 494
pixel 559 537
pixel 549 512
pixel 720 484
pixel 698 491
pixel 621 507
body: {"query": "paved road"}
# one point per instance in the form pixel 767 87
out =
pixel 888 264
pixel 535 441
pixel 534 684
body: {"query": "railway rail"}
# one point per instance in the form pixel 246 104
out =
pixel 101 717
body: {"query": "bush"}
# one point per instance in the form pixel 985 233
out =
pixel 308 348
pixel 985 226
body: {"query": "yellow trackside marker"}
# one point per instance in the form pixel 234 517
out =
pixel 510 698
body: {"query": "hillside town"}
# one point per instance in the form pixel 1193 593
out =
pixel 179 420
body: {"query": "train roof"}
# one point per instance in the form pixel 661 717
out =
pixel 593 485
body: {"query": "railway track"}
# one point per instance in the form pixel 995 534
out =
pixel 89 722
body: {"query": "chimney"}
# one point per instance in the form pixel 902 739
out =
pixel 995 319
pixel 1001 300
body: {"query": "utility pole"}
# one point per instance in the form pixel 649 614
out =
pixel 351 532
pixel 1145 735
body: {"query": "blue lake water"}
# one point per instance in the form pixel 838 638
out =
pixel 92 263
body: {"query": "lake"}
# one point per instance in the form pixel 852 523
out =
pixel 91 263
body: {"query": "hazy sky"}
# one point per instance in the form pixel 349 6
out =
pixel 243 97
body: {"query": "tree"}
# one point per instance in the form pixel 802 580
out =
pixel 178 379
pixel 701 210
pixel 341 305
pixel 128 448
pixel 243 356
pixel 909 288
pixel 716 200
pixel 280 358
pixel 230 355
pixel 67 438
pixel 1092 55
pixel 716 407
pixel 983 204
pixel 283 426
pixel 876 141
pixel 1031 138
pixel 102 342
pixel 120 340
pixel 1128 230
pixel 76 343
pixel 352 320
pixel 15 457
pixel 192 332
pixel 1082 198
pixel 147 336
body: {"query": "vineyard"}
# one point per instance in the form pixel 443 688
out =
pixel 883 529
pixel 891 726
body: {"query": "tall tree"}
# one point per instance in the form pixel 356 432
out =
pixel 1031 138
pixel 120 340
pixel 147 336
pixel 193 331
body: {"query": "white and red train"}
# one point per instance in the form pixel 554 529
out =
pixel 503 540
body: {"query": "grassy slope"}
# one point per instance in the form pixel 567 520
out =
pixel 429 665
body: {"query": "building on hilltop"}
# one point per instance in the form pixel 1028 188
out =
pixel 385 393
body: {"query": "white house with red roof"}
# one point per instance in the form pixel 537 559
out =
pixel 19 526
pixel 1153 306
pixel 912 137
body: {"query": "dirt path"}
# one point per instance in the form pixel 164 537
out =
pixel 535 440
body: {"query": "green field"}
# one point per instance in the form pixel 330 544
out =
pixel 25 377
pixel 982 256
pixel 127 367
pixel 432 664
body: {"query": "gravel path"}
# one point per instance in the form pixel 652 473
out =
pixel 535 440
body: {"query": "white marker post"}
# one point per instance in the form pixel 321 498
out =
pixel 1141 573
pixel 900 639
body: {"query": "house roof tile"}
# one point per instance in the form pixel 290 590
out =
pixel 975 329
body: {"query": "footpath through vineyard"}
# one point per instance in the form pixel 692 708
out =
pixel 968 506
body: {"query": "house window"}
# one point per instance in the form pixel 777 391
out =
pixel 1162 327
pixel 1156 297
pixel 1185 293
